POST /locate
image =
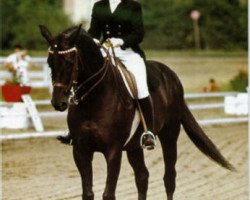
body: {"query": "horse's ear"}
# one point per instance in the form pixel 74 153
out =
pixel 46 34
pixel 73 34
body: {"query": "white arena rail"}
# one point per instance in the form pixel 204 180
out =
pixel 193 107
pixel 209 95
pixel 191 95
pixel 18 136
pixel 206 106
pixel 187 96
pixel 41 114
pixel 52 134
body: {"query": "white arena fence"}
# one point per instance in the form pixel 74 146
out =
pixel 53 134
pixel 187 96
pixel 40 78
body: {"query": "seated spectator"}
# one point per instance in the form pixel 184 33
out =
pixel 212 87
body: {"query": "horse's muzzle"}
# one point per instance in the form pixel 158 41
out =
pixel 60 106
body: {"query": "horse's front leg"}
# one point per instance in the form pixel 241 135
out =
pixel 83 160
pixel 113 157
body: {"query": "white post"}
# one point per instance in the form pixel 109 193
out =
pixel 31 107
pixel 248 89
pixel 195 15
pixel 1 168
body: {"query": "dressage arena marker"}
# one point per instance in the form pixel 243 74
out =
pixel 18 136
pixel 31 107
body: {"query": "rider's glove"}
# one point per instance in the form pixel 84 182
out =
pixel 116 42
pixel 96 41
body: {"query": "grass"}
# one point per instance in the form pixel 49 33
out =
pixel 193 53
pixel 195 72
pixel 40 93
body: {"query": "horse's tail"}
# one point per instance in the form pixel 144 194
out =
pixel 201 140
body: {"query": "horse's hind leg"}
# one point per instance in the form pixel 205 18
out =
pixel 168 138
pixel 136 160
pixel 83 162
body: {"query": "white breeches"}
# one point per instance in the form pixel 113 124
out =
pixel 136 65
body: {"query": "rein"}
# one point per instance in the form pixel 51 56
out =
pixel 74 71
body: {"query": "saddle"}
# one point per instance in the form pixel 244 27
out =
pixel 152 77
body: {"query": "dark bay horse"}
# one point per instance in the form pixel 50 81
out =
pixel 100 120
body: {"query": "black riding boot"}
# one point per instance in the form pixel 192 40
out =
pixel 65 139
pixel 148 139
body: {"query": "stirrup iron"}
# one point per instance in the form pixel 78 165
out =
pixel 154 138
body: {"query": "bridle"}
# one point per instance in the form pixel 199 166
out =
pixel 72 86
pixel 73 78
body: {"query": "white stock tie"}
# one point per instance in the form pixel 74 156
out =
pixel 113 4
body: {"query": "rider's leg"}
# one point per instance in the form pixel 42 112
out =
pixel 136 65
pixel 148 138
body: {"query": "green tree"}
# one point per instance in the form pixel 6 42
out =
pixel 20 21
pixel 223 24
pixel 167 24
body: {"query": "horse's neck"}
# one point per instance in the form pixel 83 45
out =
pixel 93 63
pixel 91 67
pixel 93 60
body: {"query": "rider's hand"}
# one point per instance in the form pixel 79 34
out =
pixel 116 42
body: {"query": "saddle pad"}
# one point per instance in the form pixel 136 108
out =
pixel 134 126
pixel 125 82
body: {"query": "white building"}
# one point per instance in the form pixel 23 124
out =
pixel 79 11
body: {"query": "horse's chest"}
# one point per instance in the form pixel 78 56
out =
pixel 102 130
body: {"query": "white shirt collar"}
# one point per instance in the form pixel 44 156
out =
pixel 113 4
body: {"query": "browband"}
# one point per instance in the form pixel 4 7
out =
pixel 63 52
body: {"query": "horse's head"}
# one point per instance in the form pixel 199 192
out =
pixel 62 60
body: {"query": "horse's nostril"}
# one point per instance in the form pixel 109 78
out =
pixel 60 106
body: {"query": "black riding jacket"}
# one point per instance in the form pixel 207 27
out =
pixel 125 23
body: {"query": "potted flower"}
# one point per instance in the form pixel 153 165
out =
pixel 14 87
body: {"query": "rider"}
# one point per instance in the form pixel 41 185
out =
pixel 121 22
